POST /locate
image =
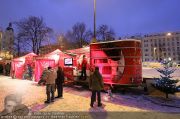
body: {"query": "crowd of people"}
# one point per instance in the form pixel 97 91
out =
pixel 54 79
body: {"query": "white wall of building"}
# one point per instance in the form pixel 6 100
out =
pixel 160 46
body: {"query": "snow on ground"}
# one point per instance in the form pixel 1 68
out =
pixel 78 100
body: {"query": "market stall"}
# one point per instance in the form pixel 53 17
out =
pixel 20 65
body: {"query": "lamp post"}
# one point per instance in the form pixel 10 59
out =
pixel 94 35
pixel 169 34
pixel 155 53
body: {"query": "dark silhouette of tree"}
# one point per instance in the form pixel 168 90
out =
pixel 79 35
pixel 33 31
pixel 18 45
pixel 104 33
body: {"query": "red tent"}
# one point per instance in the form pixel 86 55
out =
pixel 74 71
pixel 18 65
pixel 52 59
pixel 79 56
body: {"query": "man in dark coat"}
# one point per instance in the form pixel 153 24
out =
pixel 96 85
pixel 59 82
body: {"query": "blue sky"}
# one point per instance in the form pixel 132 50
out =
pixel 126 17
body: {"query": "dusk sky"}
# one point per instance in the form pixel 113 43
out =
pixel 126 17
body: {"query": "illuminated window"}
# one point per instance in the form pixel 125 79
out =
pixel 146 59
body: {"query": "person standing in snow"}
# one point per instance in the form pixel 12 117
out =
pixel 96 85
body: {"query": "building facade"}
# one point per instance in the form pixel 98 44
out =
pixel 7 43
pixel 8 39
pixel 157 47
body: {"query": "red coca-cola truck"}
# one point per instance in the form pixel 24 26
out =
pixel 119 62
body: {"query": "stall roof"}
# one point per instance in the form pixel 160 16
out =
pixel 25 56
pixel 48 56
pixel 80 50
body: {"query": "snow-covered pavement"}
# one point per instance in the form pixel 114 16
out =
pixel 78 99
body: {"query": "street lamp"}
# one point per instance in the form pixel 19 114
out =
pixel 94 35
pixel 169 34
pixel 155 53
pixel 169 59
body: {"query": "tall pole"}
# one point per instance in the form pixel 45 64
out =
pixel 94 35
pixel 94 18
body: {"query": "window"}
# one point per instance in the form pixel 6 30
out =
pixel 168 44
pixel 177 38
pixel 145 41
pixel 146 59
pixel 146 45
pixel 146 55
pixel 155 40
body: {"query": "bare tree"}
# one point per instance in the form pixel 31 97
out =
pixel 78 35
pixel 33 31
pixel 104 33
pixel 17 45
pixel 20 46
